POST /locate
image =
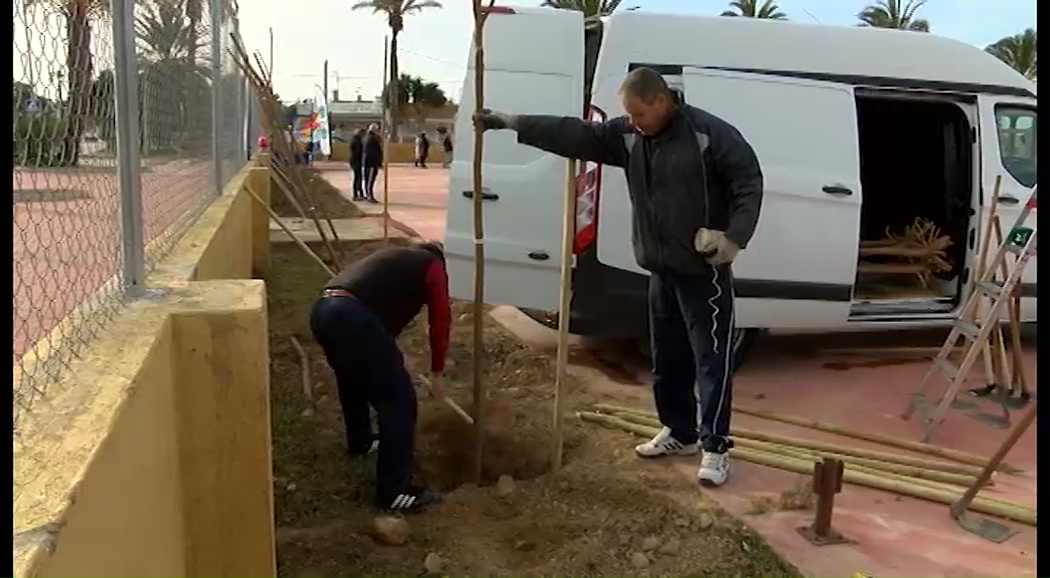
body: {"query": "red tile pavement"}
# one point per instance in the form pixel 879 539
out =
pixel 65 250
pixel 418 197
pixel 895 536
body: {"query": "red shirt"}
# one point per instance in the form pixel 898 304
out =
pixel 439 314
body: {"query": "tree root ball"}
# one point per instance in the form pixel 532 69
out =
pixel 390 530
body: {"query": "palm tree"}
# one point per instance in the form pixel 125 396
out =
pixel 1019 52
pixel 898 14
pixel 171 76
pixel 79 67
pixel 765 9
pixel 395 11
pixel 590 8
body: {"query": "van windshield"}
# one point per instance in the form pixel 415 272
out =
pixel 1017 142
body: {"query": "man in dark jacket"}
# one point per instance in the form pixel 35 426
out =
pixel 357 156
pixel 373 161
pixel 696 191
pixel 357 321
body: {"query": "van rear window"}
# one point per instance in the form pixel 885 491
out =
pixel 1017 142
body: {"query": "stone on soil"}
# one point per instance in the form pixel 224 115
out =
pixel 505 485
pixel 651 543
pixel 671 547
pixel 391 530
pixel 434 564
pixel 639 560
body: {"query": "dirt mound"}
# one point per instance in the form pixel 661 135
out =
pixel 327 199
pixel 603 514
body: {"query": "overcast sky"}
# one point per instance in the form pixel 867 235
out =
pixel 434 44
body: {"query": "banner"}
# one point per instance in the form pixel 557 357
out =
pixel 319 122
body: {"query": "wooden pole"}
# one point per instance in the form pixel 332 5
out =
pixel 564 299
pixel 479 240
pixel 277 219
pixel 964 501
pixel 390 96
pixel 986 239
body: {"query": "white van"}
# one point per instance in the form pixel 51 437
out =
pixel 857 130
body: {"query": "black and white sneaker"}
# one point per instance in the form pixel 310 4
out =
pixel 664 444
pixel 411 501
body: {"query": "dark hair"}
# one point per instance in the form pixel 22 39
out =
pixel 434 248
pixel 644 83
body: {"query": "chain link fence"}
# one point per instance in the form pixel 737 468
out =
pixel 129 118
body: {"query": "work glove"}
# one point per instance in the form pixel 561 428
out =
pixel 490 120
pixel 715 247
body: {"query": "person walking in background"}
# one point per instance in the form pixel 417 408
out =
pixel 373 161
pixel 696 190
pixel 357 156
pixel 356 321
pixel 422 150
pixel 446 145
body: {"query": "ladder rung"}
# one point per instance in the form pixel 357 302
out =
pixel 968 329
pixel 946 367
pixel 1015 249
pixel 990 288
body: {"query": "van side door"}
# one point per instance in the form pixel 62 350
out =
pixel 800 268
pixel 1007 135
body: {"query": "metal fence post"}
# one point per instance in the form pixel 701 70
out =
pixel 215 7
pixel 129 167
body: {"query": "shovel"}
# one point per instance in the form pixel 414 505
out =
pixel 984 527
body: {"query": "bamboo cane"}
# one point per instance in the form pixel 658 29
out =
pixel 828 447
pixel 893 441
pixel 1013 354
pixel 889 467
pixel 564 299
pixel 1024 515
pixel 391 96
pixel 277 219
pixel 982 259
pixel 308 391
pixel 479 240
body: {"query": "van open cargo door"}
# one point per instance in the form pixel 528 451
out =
pixel 1008 149
pixel 533 65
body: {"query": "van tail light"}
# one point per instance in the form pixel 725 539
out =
pixel 588 191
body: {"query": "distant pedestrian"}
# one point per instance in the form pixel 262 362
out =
pixel 422 150
pixel 357 157
pixel 373 161
pixel 446 144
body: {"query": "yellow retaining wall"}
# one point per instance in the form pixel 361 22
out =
pixel 397 153
pixel 150 455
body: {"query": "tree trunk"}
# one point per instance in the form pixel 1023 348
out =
pixel 78 65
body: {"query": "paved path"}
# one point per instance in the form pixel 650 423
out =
pixel 418 197
pixel 67 234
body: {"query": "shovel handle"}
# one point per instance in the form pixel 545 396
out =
pixel 959 507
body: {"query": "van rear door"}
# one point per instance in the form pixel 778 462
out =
pixel 799 269
pixel 533 65
pixel 1008 149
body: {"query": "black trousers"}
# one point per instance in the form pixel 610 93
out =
pixel 691 331
pixel 369 370
pixel 370 181
pixel 359 190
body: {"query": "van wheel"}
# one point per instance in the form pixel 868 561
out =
pixel 743 341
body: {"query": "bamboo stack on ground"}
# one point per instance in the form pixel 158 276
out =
pixel 798 460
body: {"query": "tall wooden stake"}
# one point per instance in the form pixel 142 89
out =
pixel 479 240
pixel 568 226
pixel 390 96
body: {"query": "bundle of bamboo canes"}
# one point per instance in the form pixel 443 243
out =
pixel 920 250
pixel 935 480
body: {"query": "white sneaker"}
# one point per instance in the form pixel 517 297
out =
pixel 714 469
pixel 665 445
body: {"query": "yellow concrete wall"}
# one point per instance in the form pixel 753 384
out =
pixel 398 153
pixel 150 454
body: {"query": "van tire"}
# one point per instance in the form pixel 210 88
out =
pixel 743 342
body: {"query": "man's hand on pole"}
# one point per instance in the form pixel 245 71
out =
pixel 437 386
pixel 490 120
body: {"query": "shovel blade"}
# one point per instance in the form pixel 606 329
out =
pixel 988 529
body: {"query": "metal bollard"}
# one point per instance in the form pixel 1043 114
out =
pixel 827 481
